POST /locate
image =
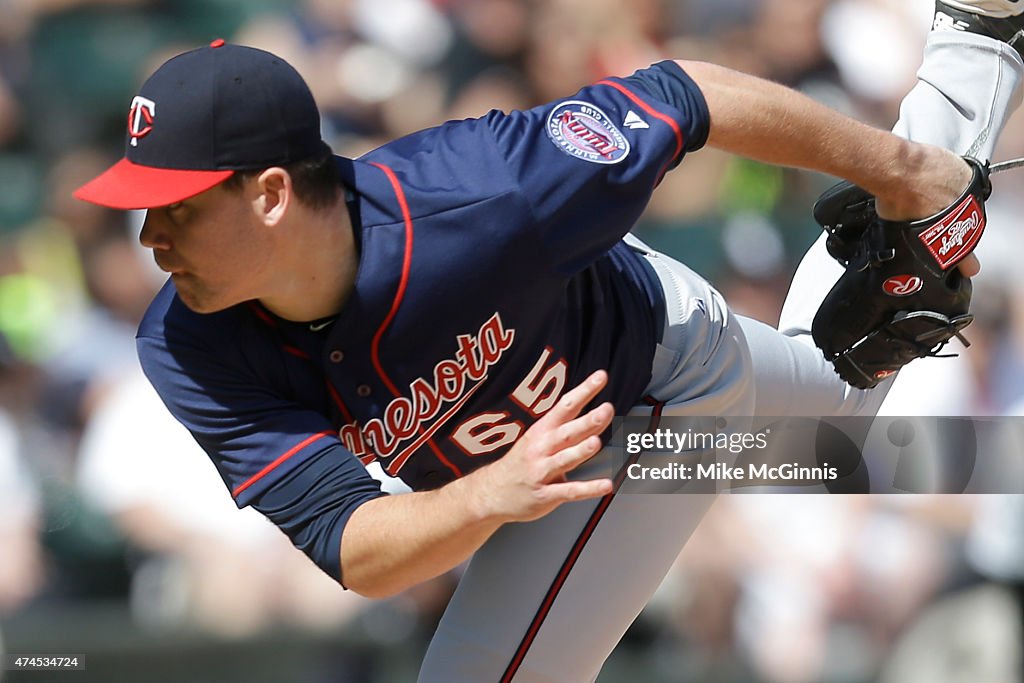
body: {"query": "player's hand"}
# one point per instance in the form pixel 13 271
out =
pixel 530 480
pixel 942 177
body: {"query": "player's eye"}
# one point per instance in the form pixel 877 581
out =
pixel 178 212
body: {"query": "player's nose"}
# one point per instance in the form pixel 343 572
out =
pixel 153 236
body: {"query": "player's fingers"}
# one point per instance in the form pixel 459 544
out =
pixel 580 490
pixel 970 266
pixel 568 459
pixel 572 432
pixel 570 405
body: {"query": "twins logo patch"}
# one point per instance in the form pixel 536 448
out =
pixel 582 130
pixel 902 285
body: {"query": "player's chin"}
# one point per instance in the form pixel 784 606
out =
pixel 197 298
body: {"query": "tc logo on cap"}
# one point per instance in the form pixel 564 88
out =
pixel 140 118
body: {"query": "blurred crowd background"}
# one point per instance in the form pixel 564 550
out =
pixel 118 540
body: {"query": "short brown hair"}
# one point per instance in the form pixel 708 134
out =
pixel 316 180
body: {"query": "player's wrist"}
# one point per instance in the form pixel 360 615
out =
pixel 476 494
pixel 893 184
pixel 924 180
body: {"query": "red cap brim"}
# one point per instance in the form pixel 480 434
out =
pixel 130 186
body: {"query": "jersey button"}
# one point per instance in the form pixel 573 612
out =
pixel 363 390
pixel 336 356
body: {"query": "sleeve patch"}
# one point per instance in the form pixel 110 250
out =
pixel 583 131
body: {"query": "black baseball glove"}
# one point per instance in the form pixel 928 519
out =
pixel 901 296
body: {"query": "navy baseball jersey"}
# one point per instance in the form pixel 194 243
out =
pixel 492 276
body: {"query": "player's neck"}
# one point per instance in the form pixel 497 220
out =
pixel 316 266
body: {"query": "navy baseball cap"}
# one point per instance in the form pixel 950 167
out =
pixel 200 117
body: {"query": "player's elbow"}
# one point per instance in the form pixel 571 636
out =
pixel 372 585
pixel 365 565
pixel 375 591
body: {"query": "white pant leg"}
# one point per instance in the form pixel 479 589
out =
pixel 615 573
pixel 968 86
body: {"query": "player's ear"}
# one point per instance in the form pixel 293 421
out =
pixel 275 195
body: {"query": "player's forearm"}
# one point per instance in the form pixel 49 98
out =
pixel 395 542
pixel 765 121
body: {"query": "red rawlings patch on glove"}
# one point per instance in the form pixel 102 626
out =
pixel 956 235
